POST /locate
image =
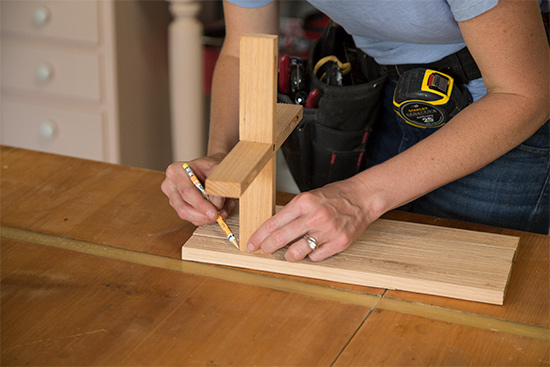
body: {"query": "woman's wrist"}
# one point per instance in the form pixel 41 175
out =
pixel 220 149
pixel 361 192
pixel 376 191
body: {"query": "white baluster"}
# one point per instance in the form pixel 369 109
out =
pixel 189 130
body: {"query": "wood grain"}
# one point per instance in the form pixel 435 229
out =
pixel 257 204
pixel 257 101
pixel 239 168
pixel 257 87
pixel 63 308
pixel 287 118
pixel 421 341
pixel 528 292
pixel 89 200
pixel 390 254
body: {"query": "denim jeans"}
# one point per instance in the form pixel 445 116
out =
pixel 511 192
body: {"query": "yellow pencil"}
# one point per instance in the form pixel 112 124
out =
pixel 221 222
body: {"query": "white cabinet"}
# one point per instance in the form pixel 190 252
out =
pixel 87 78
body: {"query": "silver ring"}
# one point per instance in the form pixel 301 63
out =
pixel 311 242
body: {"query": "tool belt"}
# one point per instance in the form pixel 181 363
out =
pixel 460 65
pixel 330 142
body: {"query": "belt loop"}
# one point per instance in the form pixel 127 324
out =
pixel 457 69
pixel 468 66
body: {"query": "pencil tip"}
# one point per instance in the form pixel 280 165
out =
pixel 235 243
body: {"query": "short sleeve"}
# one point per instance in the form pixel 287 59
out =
pixel 250 3
pixel 468 9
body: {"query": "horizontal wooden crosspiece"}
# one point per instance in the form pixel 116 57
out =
pixel 232 177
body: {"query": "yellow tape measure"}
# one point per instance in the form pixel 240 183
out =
pixel 428 98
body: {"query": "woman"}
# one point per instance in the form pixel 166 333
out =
pixel 488 164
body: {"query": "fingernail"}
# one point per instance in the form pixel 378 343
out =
pixel 250 247
pixel 210 214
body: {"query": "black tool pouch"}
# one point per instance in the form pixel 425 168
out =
pixel 329 144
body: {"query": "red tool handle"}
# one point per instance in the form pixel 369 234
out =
pixel 313 98
pixel 284 74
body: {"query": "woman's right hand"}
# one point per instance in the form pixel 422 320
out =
pixel 187 200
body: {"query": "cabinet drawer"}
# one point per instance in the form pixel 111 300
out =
pixel 68 20
pixel 63 72
pixel 51 129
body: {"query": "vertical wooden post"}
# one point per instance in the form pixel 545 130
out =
pixel 257 104
pixel 248 171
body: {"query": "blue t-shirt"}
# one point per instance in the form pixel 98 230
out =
pixel 402 31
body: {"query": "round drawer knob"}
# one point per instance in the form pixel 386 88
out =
pixel 44 72
pixel 48 130
pixel 41 16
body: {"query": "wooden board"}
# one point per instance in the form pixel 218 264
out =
pixel 390 254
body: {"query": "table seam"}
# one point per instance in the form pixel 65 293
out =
pixel 280 284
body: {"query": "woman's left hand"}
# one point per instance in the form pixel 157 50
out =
pixel 334 216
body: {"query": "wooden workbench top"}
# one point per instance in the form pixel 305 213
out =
pixel 90 275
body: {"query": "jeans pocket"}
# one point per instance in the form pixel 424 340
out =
pixel 539 142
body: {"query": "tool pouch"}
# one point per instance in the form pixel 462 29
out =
pixel 329 144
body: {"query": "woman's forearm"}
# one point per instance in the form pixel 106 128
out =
pixel 224 109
